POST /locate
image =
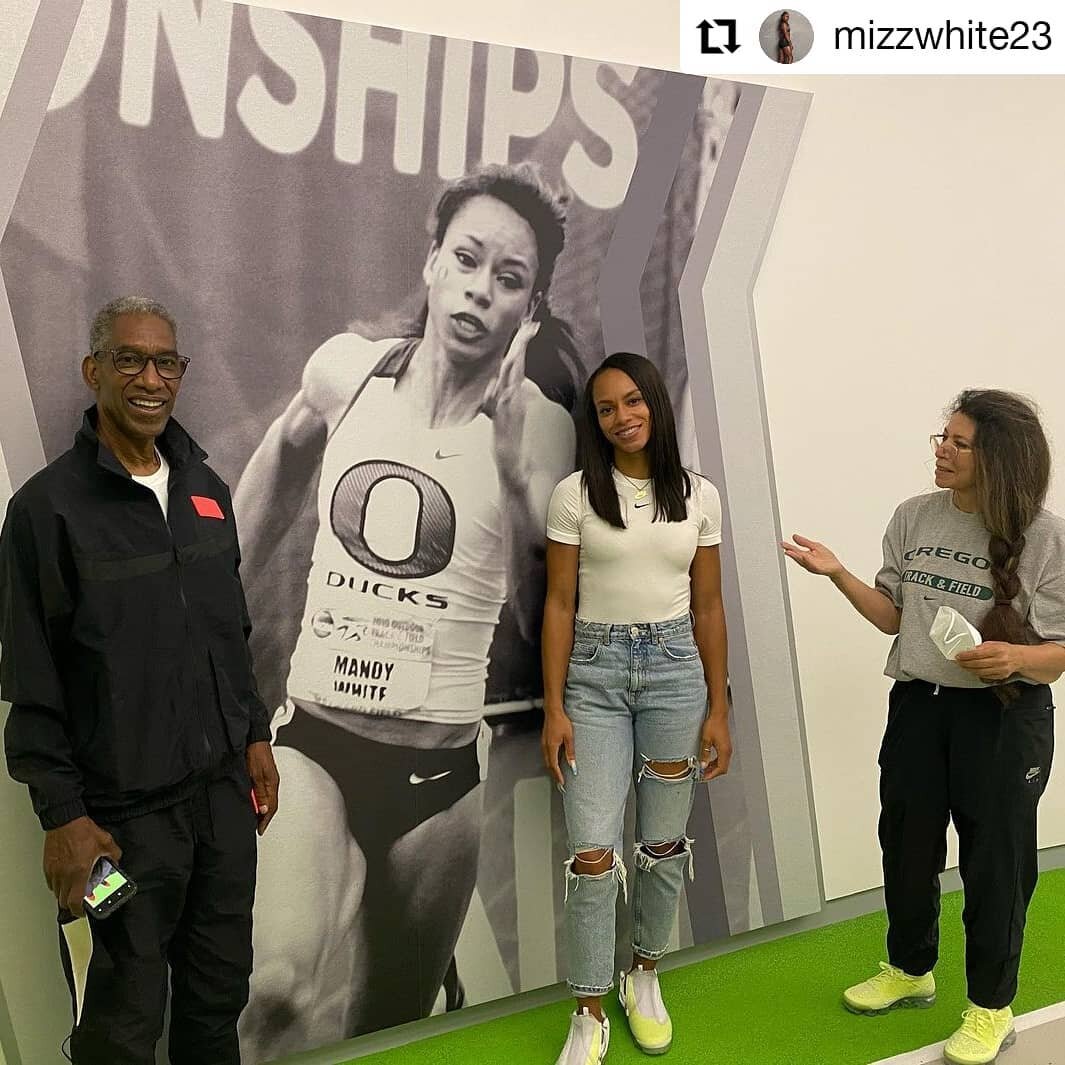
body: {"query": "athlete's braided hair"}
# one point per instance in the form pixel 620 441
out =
pixel 1011 477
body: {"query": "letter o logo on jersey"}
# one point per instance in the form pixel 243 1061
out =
pixel 433 535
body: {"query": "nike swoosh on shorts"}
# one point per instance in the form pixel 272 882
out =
pixel 415 779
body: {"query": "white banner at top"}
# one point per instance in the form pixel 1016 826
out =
pixel 720 38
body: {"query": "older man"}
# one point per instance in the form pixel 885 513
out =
pixel 135 718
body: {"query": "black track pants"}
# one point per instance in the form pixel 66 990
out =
pixel 194 865
pixel 959 753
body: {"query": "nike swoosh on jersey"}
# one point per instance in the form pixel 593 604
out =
pixel 639 506
pixel 415 779
pixel 450 455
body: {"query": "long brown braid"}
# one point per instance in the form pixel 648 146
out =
pixel 1011 476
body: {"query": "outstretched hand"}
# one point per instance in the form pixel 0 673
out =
pixel 812 556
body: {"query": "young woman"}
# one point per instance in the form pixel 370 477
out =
pixel 635 686
pixel 434 457
pixel 785 53
pixel 968 740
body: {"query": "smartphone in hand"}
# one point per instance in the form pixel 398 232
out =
pixel 108 889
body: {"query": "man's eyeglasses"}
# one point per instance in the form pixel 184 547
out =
pixel 168 364
pixel 940 442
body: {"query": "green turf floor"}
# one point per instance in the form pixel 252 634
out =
pixel 777 1003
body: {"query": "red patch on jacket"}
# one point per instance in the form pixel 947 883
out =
pixel 206 507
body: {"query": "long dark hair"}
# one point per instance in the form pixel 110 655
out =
pixel 1011 475
pixel 595 454
pixel 552 359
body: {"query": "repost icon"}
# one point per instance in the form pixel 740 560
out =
pixel 717 36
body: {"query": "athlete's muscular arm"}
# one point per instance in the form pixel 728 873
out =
pixel 549 446
pixel 279 474
pixel 277 479
pixel 534 448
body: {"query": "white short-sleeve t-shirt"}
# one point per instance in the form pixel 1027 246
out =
pixel 639 573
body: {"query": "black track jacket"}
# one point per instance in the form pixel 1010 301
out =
pixel 124 635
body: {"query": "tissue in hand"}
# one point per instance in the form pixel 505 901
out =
pixel 951 633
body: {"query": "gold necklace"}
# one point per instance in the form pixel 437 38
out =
pixel 641 490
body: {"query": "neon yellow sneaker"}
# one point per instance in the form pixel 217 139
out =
pixel 587 1040
pixel 890 989
pixel 983 1033
pixel 641 999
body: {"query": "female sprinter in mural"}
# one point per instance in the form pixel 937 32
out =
pixel 437 457
pixel 637 679
pixel 969 737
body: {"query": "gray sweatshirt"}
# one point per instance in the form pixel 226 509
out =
pixel 936 555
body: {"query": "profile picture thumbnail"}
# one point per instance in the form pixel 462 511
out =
pixel 786 36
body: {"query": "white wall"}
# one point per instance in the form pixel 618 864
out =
pixel 15 22
pixel 917 252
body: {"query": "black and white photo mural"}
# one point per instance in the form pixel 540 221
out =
pixel 393 259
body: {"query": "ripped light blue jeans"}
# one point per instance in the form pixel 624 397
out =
pixel 636 694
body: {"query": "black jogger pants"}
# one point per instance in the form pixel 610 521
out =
pixel 194 866
pixel 958 753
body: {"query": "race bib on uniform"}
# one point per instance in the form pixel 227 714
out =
pixel 370 665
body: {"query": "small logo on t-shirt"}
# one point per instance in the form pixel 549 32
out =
pixel 638 506
pixel 1033 773
pixel 447 455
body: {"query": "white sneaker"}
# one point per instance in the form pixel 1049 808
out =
pixel 649 1021
pixel 587 1040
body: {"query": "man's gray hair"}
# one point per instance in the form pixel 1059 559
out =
pixel 100 331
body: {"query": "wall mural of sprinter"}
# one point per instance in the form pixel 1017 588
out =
pixel 438 456
pixel 269 175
